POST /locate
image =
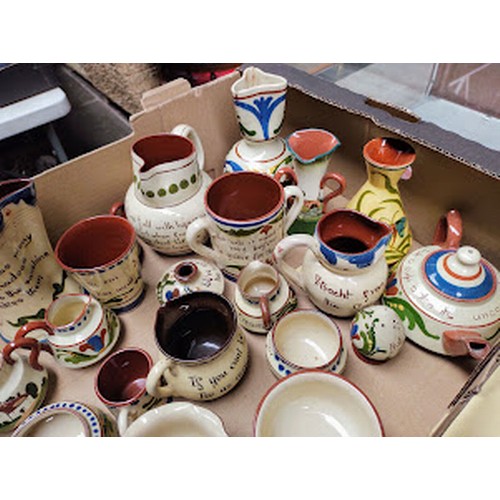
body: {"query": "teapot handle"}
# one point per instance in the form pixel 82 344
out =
pixel 190 133
pixel 448 232
pixel 34 345
pixel 292 274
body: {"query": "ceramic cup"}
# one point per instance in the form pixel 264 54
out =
pixel 315 403
pixel 120 384
pixel 23 383
pixel 305 339
pixel 377 333
pixel 247 214
pixel 102 254
pixel 204 351
pixel 67 419
pixel 261 297
pixel 79 331
pixel 180 419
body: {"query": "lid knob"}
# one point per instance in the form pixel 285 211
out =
pixel 466 262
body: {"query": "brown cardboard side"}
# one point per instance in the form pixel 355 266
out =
pixel 411 391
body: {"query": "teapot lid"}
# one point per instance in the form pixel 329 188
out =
pixel 460 275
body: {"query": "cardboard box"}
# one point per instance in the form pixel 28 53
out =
pixel 412 391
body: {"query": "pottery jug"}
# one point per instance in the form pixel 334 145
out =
pixel 312 150
pixel 387 161
pixel 30 278
pixel 168 188
pixel 343 269
pixel 446 295
pixel 259 101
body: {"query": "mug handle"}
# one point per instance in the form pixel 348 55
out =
pixel 295 208
pixel 118 209
pixel 123 420
pixel 281 250
pixel 266 312
pixel 339 179
pixel 448 232
pixel 154 387
pixel 286 172
pixel 35 347
pixel 194 237
pixel 190 133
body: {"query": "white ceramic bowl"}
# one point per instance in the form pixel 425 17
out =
pixel 177 420
pixel 316 403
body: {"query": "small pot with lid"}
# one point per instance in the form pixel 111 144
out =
pixel 447 295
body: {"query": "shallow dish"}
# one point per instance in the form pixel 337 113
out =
pixel 177 420
pixel 316 403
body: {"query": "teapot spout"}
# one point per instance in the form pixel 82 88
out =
pixel 465 343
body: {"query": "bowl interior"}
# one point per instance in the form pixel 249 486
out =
pixel 307 339
pixel 316 404
pixel 61 423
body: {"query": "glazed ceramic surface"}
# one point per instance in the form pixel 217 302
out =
pixel 180 419
pixel 67 419
pixel 447 296
pixel 204 351
pixel 313 404
pixel 247 213
pixel 312 150
pixel 79 331
pixel 120 384
pixel 343 268
pixel 387 161
pixel 29 275
pixel 262 296
pixel 305 339
pixel 377 333
pixel 186 276
pixel 259 101
pixel 102 254
pixel 23 384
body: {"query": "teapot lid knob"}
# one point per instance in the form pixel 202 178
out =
pixel 468 256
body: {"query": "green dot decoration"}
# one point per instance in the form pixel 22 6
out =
pixel 173 188
pixel 162 192
pixel 193 179
pixel 184 184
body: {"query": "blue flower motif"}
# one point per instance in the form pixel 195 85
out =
pixel 96 343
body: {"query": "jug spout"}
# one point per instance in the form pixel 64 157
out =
pixel 312 145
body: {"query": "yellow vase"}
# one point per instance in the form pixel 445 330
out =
pixel 387 161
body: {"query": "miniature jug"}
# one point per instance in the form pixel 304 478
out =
pixel 168 188
pixel 387 161
pixel 311 150
pixel 259 101
pixel 343 268
pixel 30 277
pixel 446 295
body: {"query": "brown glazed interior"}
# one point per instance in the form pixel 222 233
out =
pixel 389 152
pixel 309 144
pixel 95 242
pixel 123 376
pixel 243 196
pixel 164 148
pixel 350 226
pixel 195 327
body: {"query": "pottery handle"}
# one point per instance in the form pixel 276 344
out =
pixel 118 209
pixel 154 385
pixel 190 133
pixel 465 342
pixel 294 210
pixel 34 345
pixel 266 312
pixel 448 233
pixel 286 172
pixel 339 179
pixel 281 250
pixel 122 420
pixel 196 234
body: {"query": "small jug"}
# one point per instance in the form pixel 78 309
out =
pixel 343 269
pixel 80 332
pixel 23 383
pixel 311 150
pixel 262 296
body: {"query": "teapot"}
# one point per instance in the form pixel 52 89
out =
pixel 343 269
pixel 446 295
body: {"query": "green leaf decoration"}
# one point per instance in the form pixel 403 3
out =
pixel 8 423
pixel 245 131
pixel 406 312
pixel 32 389
pixel 361 198
pixel 76 358
pixel 26 319
pixel 278 128
pixel 388 184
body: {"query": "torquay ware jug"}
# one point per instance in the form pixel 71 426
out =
pixel 343 268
